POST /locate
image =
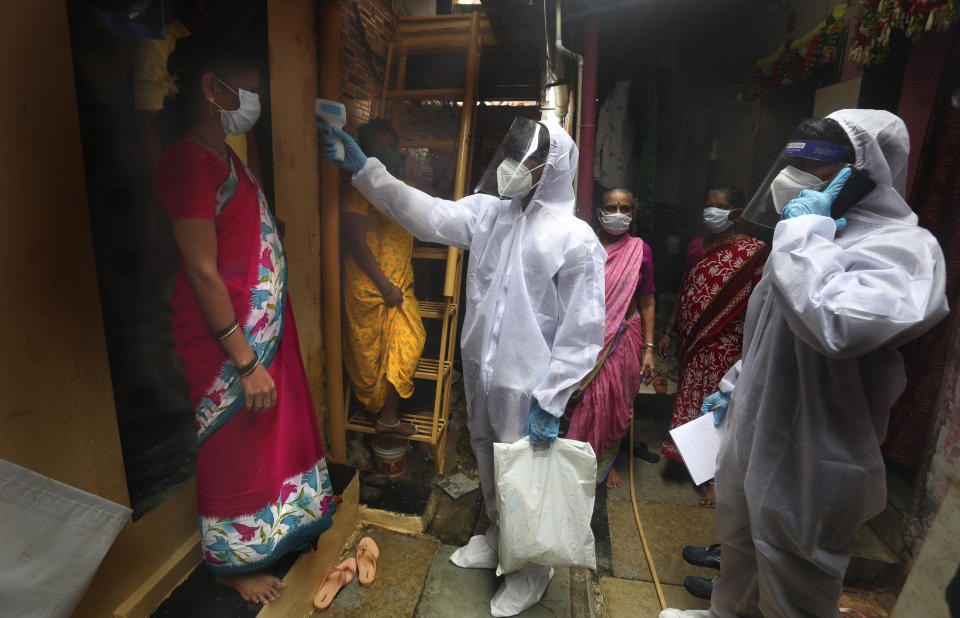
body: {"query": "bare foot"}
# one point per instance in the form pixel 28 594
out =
pixel 614 479
pixel 255 587
pixel 709 498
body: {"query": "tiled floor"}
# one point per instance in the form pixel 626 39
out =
pixel 416 578
pixel 466 593
pixel 401 572
pixel 671 519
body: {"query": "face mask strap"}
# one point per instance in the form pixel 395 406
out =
pixel 227 86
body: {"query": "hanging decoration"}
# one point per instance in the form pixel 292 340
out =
pixel 797 59
pixel 878 19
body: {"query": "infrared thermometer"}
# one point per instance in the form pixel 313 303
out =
pixel 334 114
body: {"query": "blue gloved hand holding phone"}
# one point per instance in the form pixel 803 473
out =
pixel 811 202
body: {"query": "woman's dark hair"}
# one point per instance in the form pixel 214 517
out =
pixel 368 134
pixel 734 195
pixel 825 130
pixel 192 57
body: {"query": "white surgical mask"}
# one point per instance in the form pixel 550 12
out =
pixel 615 224
pixel 513 179
pixel 716 219
pixel 242 119
pixel 789 183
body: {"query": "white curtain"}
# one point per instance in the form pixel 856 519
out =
pixel 52 539
pixel 614 141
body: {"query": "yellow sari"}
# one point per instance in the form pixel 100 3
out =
pixel 380 344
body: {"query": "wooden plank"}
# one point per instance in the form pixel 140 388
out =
pixel 310 569
pixel 448 143
pixel 433 94
pixel 293 88
pixel 430 253
pixel 436 309
pixel 148 560
pixel 329 208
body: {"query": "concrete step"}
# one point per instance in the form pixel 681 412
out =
pixel 872 563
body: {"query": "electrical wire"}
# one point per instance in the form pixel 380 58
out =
pixel 643 537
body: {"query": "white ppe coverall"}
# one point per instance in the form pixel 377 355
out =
pixel 534 317
pixel 800 470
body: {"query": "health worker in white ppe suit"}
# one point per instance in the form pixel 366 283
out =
pixel 534 318
pixel 799 469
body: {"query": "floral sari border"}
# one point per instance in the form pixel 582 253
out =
pixel 303 510
pixel 263 327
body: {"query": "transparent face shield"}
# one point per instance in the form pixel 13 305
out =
pixel 511 173
pixel 790 174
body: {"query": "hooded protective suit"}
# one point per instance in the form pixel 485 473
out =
pixel 534 317
pixel 800 467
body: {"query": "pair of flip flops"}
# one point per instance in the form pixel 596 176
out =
pixel 365 563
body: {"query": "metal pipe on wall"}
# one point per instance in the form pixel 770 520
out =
pixel 561 49
pixel 587 123
pixel 329 88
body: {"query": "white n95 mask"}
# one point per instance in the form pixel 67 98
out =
pixel 513 179
pixel 242 119
pixel 716 219
pixel 789 183
pixel 615 224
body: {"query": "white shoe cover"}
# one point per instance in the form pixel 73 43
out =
pixel 685 613
pixel 476 554
pixel 519 591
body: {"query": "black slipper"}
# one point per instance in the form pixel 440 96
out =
pixel 703 556
pixel 698 586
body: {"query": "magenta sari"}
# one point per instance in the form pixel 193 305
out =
pixel 263 488
pixel 604 405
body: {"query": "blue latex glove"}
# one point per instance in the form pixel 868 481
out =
pixel 811 202
pixel 718 404
pixel 353 158
pixel 542 427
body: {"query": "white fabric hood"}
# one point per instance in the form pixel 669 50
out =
pixel 882 148
pixel 555 189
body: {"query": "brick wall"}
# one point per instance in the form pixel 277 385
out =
pixel 361 74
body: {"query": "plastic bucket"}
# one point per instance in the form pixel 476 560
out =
pixel 391 458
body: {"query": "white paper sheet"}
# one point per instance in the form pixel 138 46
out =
pixel 698 442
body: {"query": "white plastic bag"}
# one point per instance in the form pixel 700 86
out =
pixel 545 500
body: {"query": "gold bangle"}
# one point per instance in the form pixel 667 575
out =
pixel 249 368
pixel 223 334
pixel 649 346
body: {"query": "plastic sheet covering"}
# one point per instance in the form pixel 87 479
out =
pixel 545 498
pixel 53 537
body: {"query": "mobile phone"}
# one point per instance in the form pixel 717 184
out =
pixel 856 188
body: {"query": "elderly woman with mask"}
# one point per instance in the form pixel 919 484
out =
pixel 602 407
pixel 721 271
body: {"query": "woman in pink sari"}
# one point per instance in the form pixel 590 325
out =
pixel 721 271
pixel 263 488
pixel 601 409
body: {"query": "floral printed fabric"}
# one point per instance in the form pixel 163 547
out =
pixel 302 511
pixel 381 344
pixel 710 323
pixel 262 326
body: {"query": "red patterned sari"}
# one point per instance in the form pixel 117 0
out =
pixel 713 300
pixel 263 488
